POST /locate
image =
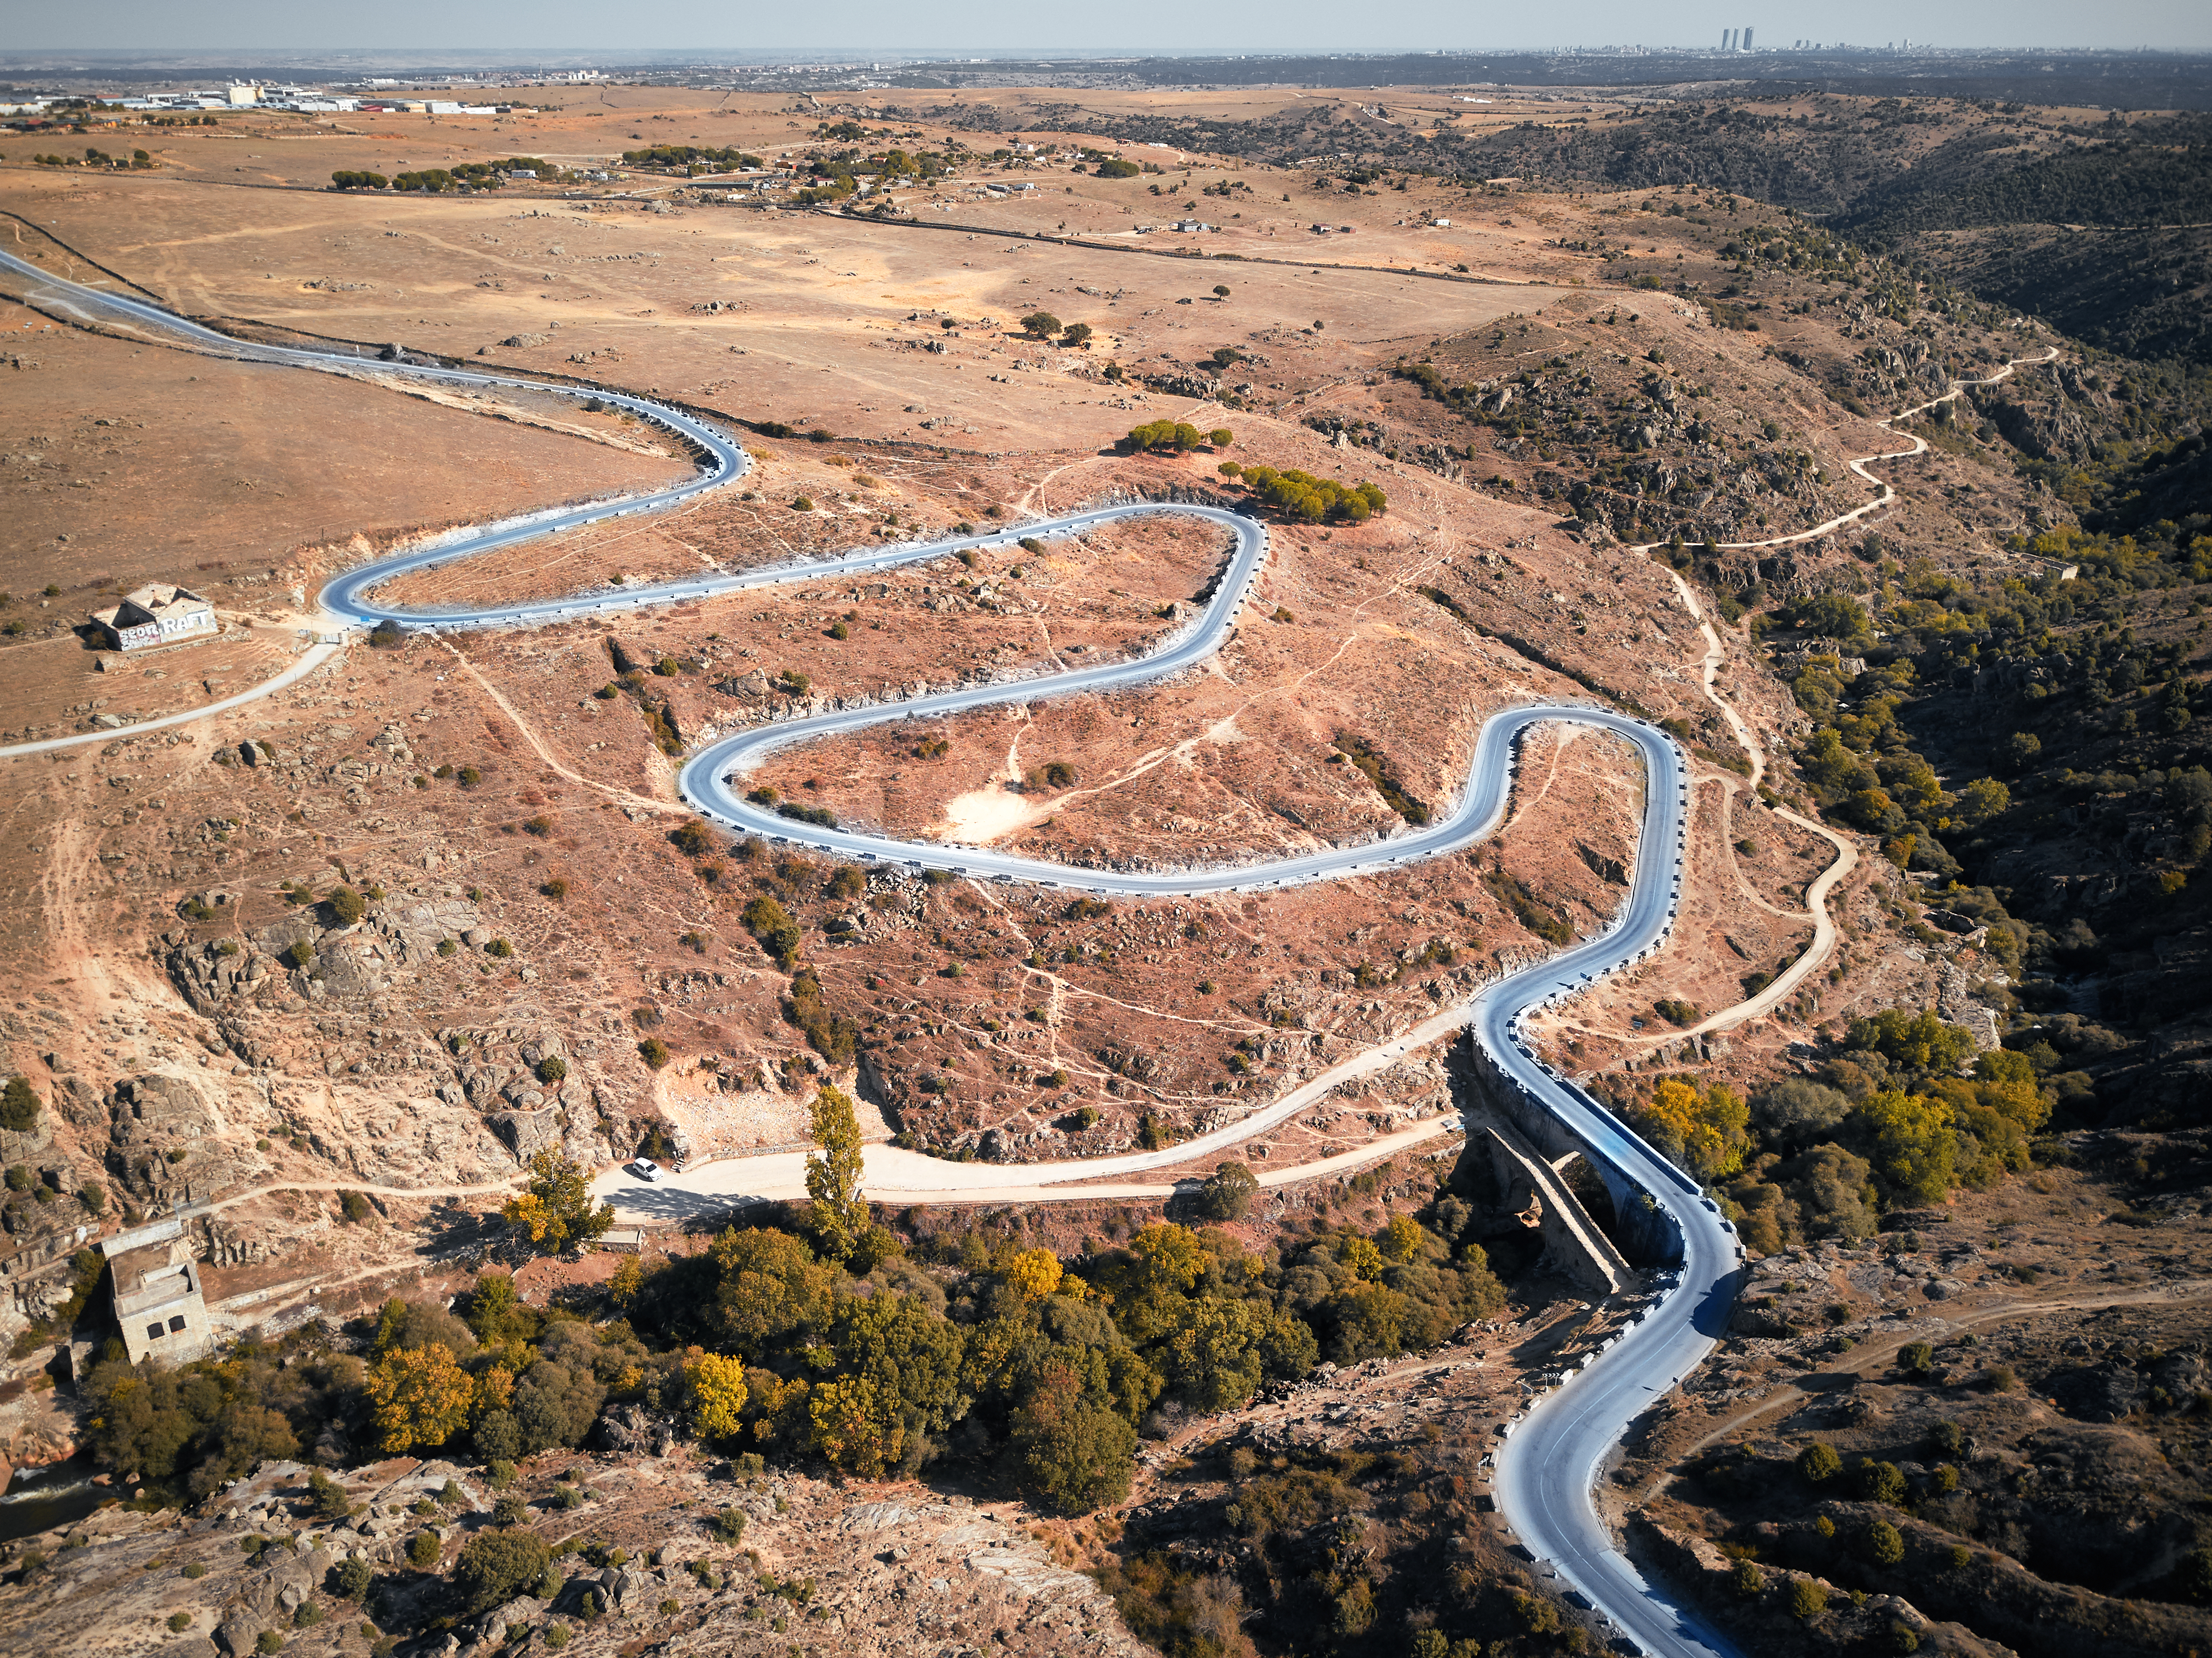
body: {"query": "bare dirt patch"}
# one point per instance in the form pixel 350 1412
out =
pixel 126 463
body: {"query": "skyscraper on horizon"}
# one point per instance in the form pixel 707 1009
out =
pixel 1747 39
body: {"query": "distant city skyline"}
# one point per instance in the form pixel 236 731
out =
pixel 1142 27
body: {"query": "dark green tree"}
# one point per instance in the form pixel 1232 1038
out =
pixel 1074 1455
pixel 1227 1193
pixel 497 1565
pixel 19 1107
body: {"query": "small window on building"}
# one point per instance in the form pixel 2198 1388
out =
pixel 153 1332
pixel 177 1325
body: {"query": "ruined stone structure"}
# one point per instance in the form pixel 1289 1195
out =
pixel 157 1294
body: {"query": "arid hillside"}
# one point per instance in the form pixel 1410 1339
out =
pixel 333 975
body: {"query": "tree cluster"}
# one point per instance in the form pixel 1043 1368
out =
pixel 690 158
pixel 1894 1125
pixel 1002 1354
pixel 1175 436
pixel 1313 500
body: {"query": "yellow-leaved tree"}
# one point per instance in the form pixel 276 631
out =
pixel 495 1389
pixel 1915 1151
pixel 717 1388
pixel 853 1428
pixel 1711 1124
pixel 1401 1239
pixel 1035 1273
pixel 422 1396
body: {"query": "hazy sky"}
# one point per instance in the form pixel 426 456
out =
pixel 1142 26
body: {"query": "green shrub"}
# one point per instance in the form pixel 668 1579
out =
pixel 309 1615
pixel 179 1621
pixel 195 1569
pixel 1948 1439
pixel 497 1565
pixel 728 1526
pixel 326 1499
pixel 557 1638
pixel 498 949
pixel 1916 1358
pixel 1879 1482
pixel 269 1641
pixel 1818 1461
pixel 1885 1545
pixel 654 1051
pixel 351 1579
pixel 423 1550
pixel 552 1068
pixel 1807 1598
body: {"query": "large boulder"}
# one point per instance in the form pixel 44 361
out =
pixel 238 1632
pixel 527 1132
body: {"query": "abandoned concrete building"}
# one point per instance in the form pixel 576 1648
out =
pixel 155 614
pixel 158 1302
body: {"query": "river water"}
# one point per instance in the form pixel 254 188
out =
pixel 57 1494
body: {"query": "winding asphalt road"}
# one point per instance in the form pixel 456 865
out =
pixel 1550 1462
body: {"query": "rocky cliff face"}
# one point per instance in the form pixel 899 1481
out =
pixel 869 1571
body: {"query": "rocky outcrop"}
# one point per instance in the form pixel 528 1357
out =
pixel 635 1430
pixel 526 1133
pixel 901 1572
pixel 171 1136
